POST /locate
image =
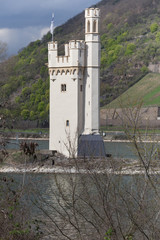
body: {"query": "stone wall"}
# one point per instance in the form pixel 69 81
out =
pixel 147 116
pixel 154 67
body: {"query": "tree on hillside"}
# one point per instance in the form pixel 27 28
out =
pixel 3 50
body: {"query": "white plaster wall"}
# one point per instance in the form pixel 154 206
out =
pixel 66 105
pixel 92 82
pixel 92 87
pixel 63 106
pixel 95 101
pixel 80 105
pixel 87 101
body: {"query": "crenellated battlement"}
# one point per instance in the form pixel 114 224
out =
pixel 74 54
pixel 79 44
pixel 52 46
pixel 92 12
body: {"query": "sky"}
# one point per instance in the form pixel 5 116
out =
pixel 24 21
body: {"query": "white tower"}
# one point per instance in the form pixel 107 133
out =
pixel 74 88
pixel 92 82
pixel 66 96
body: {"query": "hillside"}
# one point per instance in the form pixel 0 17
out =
pixel 147 91
pixel 130 40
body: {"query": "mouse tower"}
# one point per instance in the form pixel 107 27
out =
pixel 74 91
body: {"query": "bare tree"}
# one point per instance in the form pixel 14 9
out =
pixel 96 199
pixel 3 51
pixel 15 220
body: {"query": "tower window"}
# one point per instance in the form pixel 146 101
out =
pixel 88 26
pixel 94 26
pixel 81 88
pixel 67 123
pixel 63 87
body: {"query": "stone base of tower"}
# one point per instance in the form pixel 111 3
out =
pixel 91 146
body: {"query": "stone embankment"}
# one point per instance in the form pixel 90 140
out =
pixel 120 136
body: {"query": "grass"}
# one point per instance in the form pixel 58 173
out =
pixel 111 128
pixel 121 129
pixel 33 130
pixel 147 91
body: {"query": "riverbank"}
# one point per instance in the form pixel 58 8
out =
pixel 25 134
pixel 73 170
pixel 46 163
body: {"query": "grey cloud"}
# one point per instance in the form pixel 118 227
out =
pixel 18 13
pixel 17 16
pixel 19 38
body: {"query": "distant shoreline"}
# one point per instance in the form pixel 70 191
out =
pixel 33 139
pixel 105 140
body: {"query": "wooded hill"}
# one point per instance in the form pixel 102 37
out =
pixel 130 40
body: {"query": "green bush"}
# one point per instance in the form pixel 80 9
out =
pixel 158 37
pixel 144 69
pixel 41 106
pixel 6 89
pixel 130 49
pixel 44 51
pixel 32 61
pixel 109 26
pixel 43 70
pixel 26 91
pixel 153 27
pixel 42 114
pixel 25 114
pixel 32 115
pixel 17 99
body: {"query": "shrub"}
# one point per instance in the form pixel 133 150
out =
pixel 17 99
pixel 25 114
pixel 109 26
pixel 153 27
pixel 32 61
pixel 26 91
pixel 41 106
pixel 144 69
pixel 130 49
pixel 158 37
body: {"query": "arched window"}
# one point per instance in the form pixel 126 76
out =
pixel 94 26
pixel 88 26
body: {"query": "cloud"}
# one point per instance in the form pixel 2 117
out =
pixel 18 6
pixel 18 38
pixel 37 12
pixel 24 21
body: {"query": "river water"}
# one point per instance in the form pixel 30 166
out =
pixel 116 149
pixel 85 206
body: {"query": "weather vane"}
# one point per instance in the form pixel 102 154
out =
pixel 52 25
